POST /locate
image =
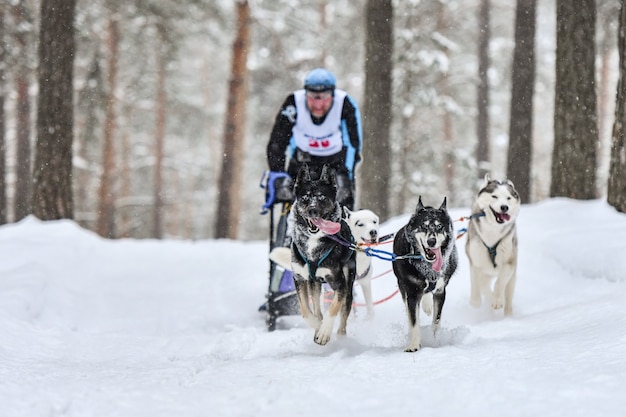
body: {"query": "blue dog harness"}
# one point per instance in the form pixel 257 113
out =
pixel 308 263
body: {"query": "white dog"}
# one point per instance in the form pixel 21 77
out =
pixel 492 244
pixel 365 228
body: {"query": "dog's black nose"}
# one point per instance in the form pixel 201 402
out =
pixel 313 212
pixel 504 208
pixel 373 233
pixel 431 242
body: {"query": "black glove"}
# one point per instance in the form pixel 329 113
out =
pixel 283 189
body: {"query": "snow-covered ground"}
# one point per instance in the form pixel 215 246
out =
pixel 93 327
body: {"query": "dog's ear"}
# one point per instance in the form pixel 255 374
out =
pixel 328 176
pixel 443 205
pixel 346 212
pixel 419 204
pixel 324 174
pixel 303 174
pixel 512 189
pixel 487 179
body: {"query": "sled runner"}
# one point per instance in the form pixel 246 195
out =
pixel 281 294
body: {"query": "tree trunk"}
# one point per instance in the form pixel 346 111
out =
pixel 106 203
pixel 574 163
pixel 157 226
pixel 52 195
pixel 483 158
pixel 3 149
pixel 126 220
pixel 616 193
pixel 448 143
pixel 229 197
pixel 89 99
pixel 605 96
pixel 523 82
pixel 376 168
pixel 23 183
pixel 447 117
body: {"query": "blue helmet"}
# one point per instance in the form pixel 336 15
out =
pixel 319 80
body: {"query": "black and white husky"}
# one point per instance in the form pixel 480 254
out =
pixel 318 253
pixel 492 244
pixel 365 228
pixel 426 259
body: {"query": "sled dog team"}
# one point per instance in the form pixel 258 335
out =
pixel 425 257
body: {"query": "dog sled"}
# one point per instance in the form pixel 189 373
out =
pixel 282 299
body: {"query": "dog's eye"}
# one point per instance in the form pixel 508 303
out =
pixel 359 224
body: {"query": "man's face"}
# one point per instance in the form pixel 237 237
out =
pixel 319 102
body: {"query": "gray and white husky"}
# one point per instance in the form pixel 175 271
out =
pixel 492 244
pixel 426 260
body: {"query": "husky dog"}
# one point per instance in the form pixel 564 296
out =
pixel 365 227
pixel 492 244
pixel 318 252
pixel 426 259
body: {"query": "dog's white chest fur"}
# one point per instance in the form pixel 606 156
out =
pixel 312 245
pixel 363 264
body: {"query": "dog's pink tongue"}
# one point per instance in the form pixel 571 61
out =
pixel 438 262
pixel 326 226
pixel 505 216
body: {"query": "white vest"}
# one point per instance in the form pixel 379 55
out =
pixel 318 140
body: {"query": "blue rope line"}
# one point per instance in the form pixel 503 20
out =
pixel 388 256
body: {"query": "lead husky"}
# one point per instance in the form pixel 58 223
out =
pixel 365 228
pixel 427 258
pixel 492 244
pixel 317 254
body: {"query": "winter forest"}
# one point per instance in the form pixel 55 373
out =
pixel 150 118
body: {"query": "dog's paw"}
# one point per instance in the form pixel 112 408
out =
pixel 321 338
pixel 497 303
pixel 322 335
pixel 508 310
pixel 412 348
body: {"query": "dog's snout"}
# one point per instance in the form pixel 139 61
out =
pixel 504 208
pixel 313 212
pixel 431 241
pixel 373 233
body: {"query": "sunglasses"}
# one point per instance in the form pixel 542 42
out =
pixel 324 95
